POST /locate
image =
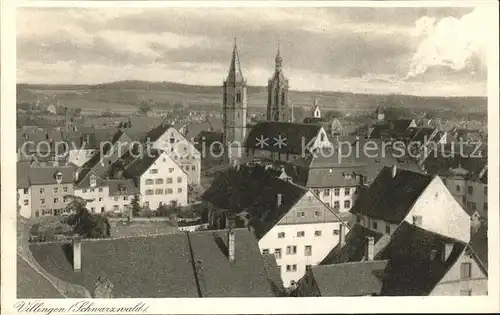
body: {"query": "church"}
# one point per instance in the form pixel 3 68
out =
pixel 278 137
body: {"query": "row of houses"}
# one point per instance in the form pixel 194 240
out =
pixel 159 167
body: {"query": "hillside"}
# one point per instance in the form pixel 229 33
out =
pixel 124 96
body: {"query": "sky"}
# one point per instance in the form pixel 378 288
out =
pixel 420 51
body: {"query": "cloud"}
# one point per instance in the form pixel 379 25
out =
pixel 456 43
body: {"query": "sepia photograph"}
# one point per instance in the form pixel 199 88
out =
pixel 259 151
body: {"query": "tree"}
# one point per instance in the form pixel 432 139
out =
pixel 134 204
pixel 144 107
pixel 77 111
pixel 299 114
pixel 86 224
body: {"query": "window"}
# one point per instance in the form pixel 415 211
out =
pixel 56 190
pixel 470 190
pixel 316 192
pixel 316 213
pixel 465 292
pixel 193 168
pixel 336 232
pixel 485 207
pixel 100 198
pixel 336 191
pixel 56 200
pixel 458 188
pixel 171 170
pixel 153 171
pixel 308 250
pixel 265 251
pixel 92 189
pixel 326 193
pixel 322 137
pixel 58 177
pixel 42 191
pixel 301 234
pixel 42 201
pixel 92 209
pixel 347 191
pixel 149 191
pixel 358 219
pixel 169 191
pixel 277 253
pixel 179 180
pixel 100 189
pixel 93 181
pixel 65 189
pixel 65 199
pixel 238 96
pixel 291 250
pixel 159 192
pixel 149 182
pixel 169 180
pixel 25 191
pixel 102 209
pixel 125 197
pixel 465 270
pixel 387 228
pixel 336 204
pixel 471 205
pixel 486 190
pixel 159 181
pixel 301 214
pixel 374 225
pixel 347 204
pixel 146 204
pixel 317 233
pixel 281 235
pixel 26 202
pixel 179 190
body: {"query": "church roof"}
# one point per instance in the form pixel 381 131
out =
pixel 235 75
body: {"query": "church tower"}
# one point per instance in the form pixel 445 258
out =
pixel 234 106
pixel 277 94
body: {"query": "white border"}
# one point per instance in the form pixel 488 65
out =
pixel 246 305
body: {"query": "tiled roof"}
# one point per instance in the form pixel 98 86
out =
pixel 441 165
pixel 157 132
pixel 424 134
pixel 46 175
pixel 350 279
pixel 378 201
pixel 354 247
pixel 479 243
pixel 401 124
pixel 31 284
pixel 141 164
pixel 297 136
pixel 23 175
pixel 196 265
pixel 273 274
pixel 415 261
pixel 254 190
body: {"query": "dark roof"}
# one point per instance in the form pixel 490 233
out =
pixel 442 164
pixel 157 132
pixel 273 274
pixel 31 284
pixel 479 243
pixel 401 124
pixel 295 134
pixel 379 202
pixel 424 134
pixel 122 187
pixel 354 247
pixel 174 265
pixel 46 175
pixel 141 164
pixel 350 279
pixel 254 190
pixel 23 175
pixel 415 261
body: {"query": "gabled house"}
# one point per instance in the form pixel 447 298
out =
pixel 290 221
pixel 166 138
pixel 225 263
pixel 398 195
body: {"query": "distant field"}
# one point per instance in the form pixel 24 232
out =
pixel 124 96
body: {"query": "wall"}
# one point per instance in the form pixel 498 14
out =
pixel 49 196
pixel 80 157
pixel 478 197
pixel 24 210
pixel 99 195
pixel 440 212
pixel 164 164
pixel 330 198
pixel 381 224
pixel 452 284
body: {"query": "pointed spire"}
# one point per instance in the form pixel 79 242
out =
pixel 235 75
pixel 278 60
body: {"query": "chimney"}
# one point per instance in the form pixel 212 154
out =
pixel 231 246
pixel 394 171
pixel 342 235
pixel 279 200
pixel 417 220
pixel 447 249
pixel 77 255
pixel 370 243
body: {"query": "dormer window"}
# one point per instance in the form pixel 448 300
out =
pixel 93 181
pixel 59 177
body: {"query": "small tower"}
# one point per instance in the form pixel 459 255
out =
pixel 277 89
pixel 380 114
pixel 316 112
